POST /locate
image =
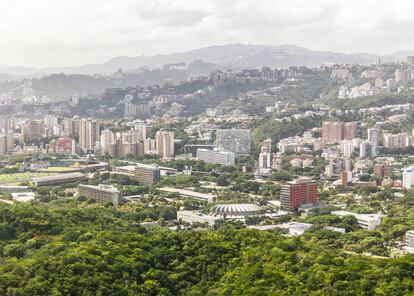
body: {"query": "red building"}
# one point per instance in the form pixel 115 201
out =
pixel 299 192
pixel 63 145
pixel 333 132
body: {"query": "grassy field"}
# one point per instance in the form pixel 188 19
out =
pixel 19 177
pixel 57 169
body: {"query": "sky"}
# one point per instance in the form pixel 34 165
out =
pixel 44 33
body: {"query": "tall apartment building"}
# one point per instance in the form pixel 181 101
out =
pixel 88 134
pixel 101 193
pixel 107 139
pixel 50 121
pixel 374 135
pixel 150 146
pixel 71 127
pixel 367 149
pixel 216 156
pixel 237 141
pixel 147 174
pixel 32 130
pixel 165 144
pixel 408 177
pixel 6 124
pixel 298 192
pixel 347 148
pixel 333 132
pixel 267 146
pixel 6 142
pixel 396 141
pixel 141 131
pixel 265 160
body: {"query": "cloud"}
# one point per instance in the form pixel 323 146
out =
pixel 50 32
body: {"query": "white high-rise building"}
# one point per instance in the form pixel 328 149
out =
pixel 408 177
pixel 264 160
pixel 396 141
pixel 347 148
pixel 141 131
pixel 88 134
pixel 409 239
pixel 267 146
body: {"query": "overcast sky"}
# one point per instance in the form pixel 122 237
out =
pixel 72 32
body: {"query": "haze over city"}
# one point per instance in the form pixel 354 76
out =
pixel 69 33
pixel 206 148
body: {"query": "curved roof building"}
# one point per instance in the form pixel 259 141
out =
pixel 235 210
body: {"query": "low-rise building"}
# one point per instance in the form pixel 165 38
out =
pixel 58 179
pixel 101 193
pixel 367 221
pixel 216 157
pixel 147 174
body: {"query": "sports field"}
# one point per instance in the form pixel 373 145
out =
pixel 57 169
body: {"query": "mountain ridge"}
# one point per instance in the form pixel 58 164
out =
pixel 235 55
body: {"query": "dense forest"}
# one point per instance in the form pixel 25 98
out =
pixel 68 248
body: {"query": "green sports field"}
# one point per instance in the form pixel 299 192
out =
pixel 57 169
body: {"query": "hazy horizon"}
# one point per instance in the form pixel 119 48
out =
pixel 50 33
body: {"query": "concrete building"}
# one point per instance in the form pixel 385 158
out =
pixel 408 177
pixel 216 156
pixel 50 121
pixel 64 145
pixel 58 179
pixel 367 149
pixel 190 193
pixel 367 221
pixel 32 130
pixel 374 135
pixel 71 127
pixel 191 149
pixel 265 161
pixel 409 240
pixel 147 174
pixel 196 217
pixel 237 141
pixel 382 170
pixel 107 139
pixel 347 148
pixel 165 144
pixel 88 134
pixel 396 141
pixel 101 193
pixel 298 192
pixel 6 142
pixel 333 132
pixel 141 131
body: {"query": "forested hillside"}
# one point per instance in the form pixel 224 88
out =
pixel 65 248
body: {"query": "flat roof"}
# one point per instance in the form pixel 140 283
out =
pixel 187 192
